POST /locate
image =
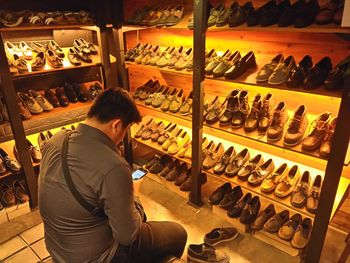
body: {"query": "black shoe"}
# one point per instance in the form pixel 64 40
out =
pixel 306 14
pixel 237 209
pixel 299 73
pixel 216 197
pixel 70 92
pixel 250 211
pixel 318 74
pixel 239 14
pixel 241 66
pixel 231 107
pixel 82 97
pixel 335 79
pixel 231 198
pixel 224 16
pixel 288 14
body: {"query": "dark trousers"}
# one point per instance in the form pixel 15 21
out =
pixel 156 241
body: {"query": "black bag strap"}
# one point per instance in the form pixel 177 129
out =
pixel 81 200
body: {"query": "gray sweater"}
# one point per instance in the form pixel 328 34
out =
pixel 104 179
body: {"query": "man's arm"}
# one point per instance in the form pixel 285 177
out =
pixel 117 200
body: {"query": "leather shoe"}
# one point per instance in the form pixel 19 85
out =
pixel 271 181
pixel 299 73
pixel 62 98
pixel 237 163
pixel 250 211
pixel 278 120
pixel 241 66
pixel 231 198
pixel 240 114
pixel 216 196
pixel 287 183
pixel 261 172
pixel 318 74
pixel 277 221
pixel 297 127
pixel 253 163
pixel 237 209
pixel 299 195
pixel 252 120
pixel 313 195
pixel 70 92
pixel 232 106
pixel 265 215
pixel 220 166
pixel 239 14
pixel 327 142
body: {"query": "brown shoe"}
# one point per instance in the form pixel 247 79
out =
pixel 327 141
pixel 286 232
pixel 278 121
pixel 263 217
pixel 271 181
pixel 286 186
pixel 23 111
pixel 7 196
pixel 296 128
pixel 313 196
pixel 302 234
pixel 299 195
pixel 213 156
pixel 316 136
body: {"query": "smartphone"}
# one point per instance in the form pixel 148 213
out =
pixel 138 174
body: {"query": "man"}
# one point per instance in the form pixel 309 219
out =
pixel 117 231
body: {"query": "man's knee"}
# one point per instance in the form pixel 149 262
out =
pixel 178 232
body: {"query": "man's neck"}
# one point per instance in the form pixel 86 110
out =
pixel 97 125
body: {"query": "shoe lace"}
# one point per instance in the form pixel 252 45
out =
pixel 277 118
pixel 318 127
pixel 254 113
pixel 265 110
pixel 295 123
pixel 243 106
pixel 329 133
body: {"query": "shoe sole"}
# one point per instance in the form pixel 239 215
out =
pixel 292 144
pixel 276 83
pixel 193 259
pixel 226 240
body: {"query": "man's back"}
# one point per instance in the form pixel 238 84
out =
pixel 103 178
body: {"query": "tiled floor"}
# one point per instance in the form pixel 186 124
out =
pixel 163 204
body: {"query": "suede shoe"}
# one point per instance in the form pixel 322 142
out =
pixel 176 104
pixel 271 181
pixel 23 110
pixel 240 115
pixel 249 167
pixel 313 196
pixel 287 231
pixel 215 112
pixel 278 120
pixel 236 210
pixel 216 196
pixel 299 73
pixel 176 171
pixel 287 183
pixel 327 141
pixel 277 221
pixel 220 166
pixel 265 113
pixel 160 164
pixel 302 234
pixel 231 198
pixel 317 134
pixel 250 211
pixel 297 127
pixel 219 235
pixel 236 163
pixel 241 66
pixel 265 215
pixel 282 72
pixel 269 68
pixel 206 253
pixel 143 127
pixel 252 120
pixel 299 195
pixel 169 99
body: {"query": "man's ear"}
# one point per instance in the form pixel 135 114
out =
pixel 116 124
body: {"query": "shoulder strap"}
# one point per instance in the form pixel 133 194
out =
pixel 81 200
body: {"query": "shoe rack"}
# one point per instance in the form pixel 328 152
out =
pixel 266 42
pixel 16 131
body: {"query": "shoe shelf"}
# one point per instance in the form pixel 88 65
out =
pixel 45 27
pixel 247 79
pixel 96 61
pixel 241 137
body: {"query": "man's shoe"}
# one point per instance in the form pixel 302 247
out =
pixel 62 98
pixel 237 163
pixel 278 120
pixel 213 156
pixel 314 194
pixel 53 59
pixel 7 196
pixel 219 235
pixel 231 107
pixel 302 234
pixel 70 92
pixel 23 110
pixel 43 102
pixel 287 231
pixel 220 166
pixel 325 148
pixel 20 192
pixel 265 215
pixel 226 64
pixel 299 195
pixel 299 73
pixel 215 61
pixel 30 103
pixel 306 14
pixel 261 172
pixel 206 253
pixel 277 221
pixel 252 120
pixel 318 74
pixel 296 128
pixel 265 113
pixel 52 45
pixel 282 72
pixel 216 196
pixel 240 115
pixel 271 181
pixel 39 62
pixel 250 211
pixel 231 198
pixel 249 167
pixel 236 210
pixel 239 14
pixel 266 71
pixel 11 164
pixel 224 16
pixel 215 12
pixel 287 183
pixel 241 66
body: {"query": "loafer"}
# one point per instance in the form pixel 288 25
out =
pixel 81 47
pixel 241 66
pixel 270 182
pixel 216 196
pixel 226 64
pixel 187 185
pixel 175 15
pixel 23 110
pixel 250 211
pixel 167 168
pixel 73 57
pixel 299 73
pixel 81 94
pixel 52 45
pixel 287 183
pixel 302 234
pixel 313 195
pixel 94 90
pixel 213 156
pixel 239 14
pixel 149 130
pixel 288 14
pixel 11 164
pixel 231 107
pixel 186 107
pixel 182 178
pixel 224 16
pixel 178 143
pixel 219 235
pixel 318 73
pixel 253 18
pixel 263 217
pixel 82 56
pixel 299 195
pixel 236 163
pixel 214 14
pixel 277 221
pixel 239 116
pixel 220 166
pixel 306 14
pixel 144 88
pixel 326 14
pixel 53 59
pixel 164 60
pixel 161 131
pixel 282 72
pixel 270 13
pixel 42 101
pixel 215 61
pixel 176 103
pixel 70 92
pixel 89 45
pixel 160 163
pixel 172 138
pixel 20 192
pixel 176 171
pixel 30 103
pixel 169 99
pixel 236 210
pixel 38 47
pixel 145 92
pixel 231 198
pixel 51 97
pixel 167 134
pixel 269 68
pixel 152 96
pixel 278 120
pixel 261 172
pixel 39 62
pixel 62 98
pixel 252 121
pixel 249 167
pixel 265 113
pixel 325 148
pixel 287 231
pixel 215 112
pixel 7 196
pixel 296 128
pixel 315 138
pixel 335 79
pixel 184 60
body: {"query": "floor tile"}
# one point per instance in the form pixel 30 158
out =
pixel 26 255
pixel 10 247
pixel 39 248
pixel 33 234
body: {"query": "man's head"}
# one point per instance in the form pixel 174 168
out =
pixel 113 111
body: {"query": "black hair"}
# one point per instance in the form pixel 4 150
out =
pixel 114 103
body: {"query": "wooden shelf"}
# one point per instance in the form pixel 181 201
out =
pixel 51 27
pixel 248 78
pixel 96 60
